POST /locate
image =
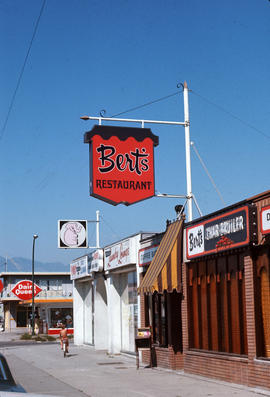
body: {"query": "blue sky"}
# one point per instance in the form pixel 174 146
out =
pixel 115 55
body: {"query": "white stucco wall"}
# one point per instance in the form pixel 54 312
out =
pixel 77 313
pixel 101 330
pixel 114 314
pixel 87 316
pixel 82 312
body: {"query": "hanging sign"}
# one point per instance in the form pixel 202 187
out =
pixel 23 290
pixel 232 229
pixel 72 234
pixel 121 163
pixel 265 220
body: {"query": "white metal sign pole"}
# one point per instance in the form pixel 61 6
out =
pixel 97 229
pixel 186 124
pixel 187 141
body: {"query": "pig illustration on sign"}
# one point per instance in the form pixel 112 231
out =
pixel 71 234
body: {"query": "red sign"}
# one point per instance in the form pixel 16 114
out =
pixel 121 163
pixel 1 286
pixel 23 290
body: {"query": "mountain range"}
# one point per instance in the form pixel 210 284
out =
pixel 18 264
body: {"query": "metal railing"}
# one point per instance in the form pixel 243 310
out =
pixel 44 294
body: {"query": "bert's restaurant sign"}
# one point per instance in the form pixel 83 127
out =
pixel 232 229
pixel 23 290
pixel 121 163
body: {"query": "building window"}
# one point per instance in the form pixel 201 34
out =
pixel 62 316
pixel 158 303
pixel 54 285
pixel 262 302
pixel 216 305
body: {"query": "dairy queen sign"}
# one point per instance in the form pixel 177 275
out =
pixel 23 290
pixel 121 163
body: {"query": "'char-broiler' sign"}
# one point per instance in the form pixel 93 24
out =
pixel 232 229
pixel 121 163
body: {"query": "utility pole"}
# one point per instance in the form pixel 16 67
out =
pixel 35 236
pixel 187 142
pixel 97 229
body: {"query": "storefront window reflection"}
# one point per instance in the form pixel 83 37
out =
pixel 61 316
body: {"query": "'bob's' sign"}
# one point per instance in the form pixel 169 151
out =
pixel 121 163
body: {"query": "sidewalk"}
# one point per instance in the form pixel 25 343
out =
pixel 9 336
pixel 97 374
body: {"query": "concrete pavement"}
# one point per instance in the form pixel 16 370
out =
pixel 41 368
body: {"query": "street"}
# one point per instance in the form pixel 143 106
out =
pixel 41 368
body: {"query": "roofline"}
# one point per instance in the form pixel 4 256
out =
pixel 260 196
pixel 36 274
pixel 218 212
pixel 128 237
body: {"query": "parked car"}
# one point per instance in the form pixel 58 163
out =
pixel 8 386
pixel 1 324
pixel 7 382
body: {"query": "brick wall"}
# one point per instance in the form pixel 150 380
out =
pixel 230 369
pixel 164 358
pixel 259 374
pixel 250 307
pixel 247 370
pixel 237 369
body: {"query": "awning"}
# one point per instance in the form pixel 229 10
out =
pixel 164 272
pixel 56 300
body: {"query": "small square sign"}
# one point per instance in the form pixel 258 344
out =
pixel 72 234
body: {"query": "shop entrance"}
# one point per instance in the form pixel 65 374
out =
pixel 22 316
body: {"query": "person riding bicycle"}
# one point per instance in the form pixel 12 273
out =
pixel 64 336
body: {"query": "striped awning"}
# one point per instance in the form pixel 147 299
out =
pixel 164 272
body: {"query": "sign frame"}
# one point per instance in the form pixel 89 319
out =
pixel 119 255
pixel 263 210
pixel 87 264
pixel 69 231
pixel 122 169
pixel 225 241
pixel 151 249
pixel 37 289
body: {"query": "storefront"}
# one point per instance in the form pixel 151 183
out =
pixel 53 304
pixel 90 300
pixel 208 302
pixel 161 294
pixel 122 275
pixel 226 306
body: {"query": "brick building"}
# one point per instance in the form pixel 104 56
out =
pixel 208 299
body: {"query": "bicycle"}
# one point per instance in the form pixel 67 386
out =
pixel 65 347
